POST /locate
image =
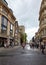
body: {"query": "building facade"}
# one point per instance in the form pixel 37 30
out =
pixel 37 38
pixel 21 33
pixel 22 29
pixel 7 21
pixel 17 34
pixel 42 19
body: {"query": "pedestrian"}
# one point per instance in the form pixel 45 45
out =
pixel 33 45
pixel 42 47
pixel 4 45
pixel 23 45
pixel 37 45
pixel 12 44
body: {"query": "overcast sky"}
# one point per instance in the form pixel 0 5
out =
pixel 27 13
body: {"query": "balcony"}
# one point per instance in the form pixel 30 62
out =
pixel 43 24
pixel 4 13
pixel 44 5
pixel 44 36
pixel 42 8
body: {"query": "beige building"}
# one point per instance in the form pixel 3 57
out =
pixel 17 34
pixel 21 29
pixel 7 21
pixel 42 19
pixel 37 38
pixel 21 32
pixel 18 31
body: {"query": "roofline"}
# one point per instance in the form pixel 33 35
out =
pixel 8 9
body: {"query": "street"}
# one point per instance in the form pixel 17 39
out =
pixel 22 56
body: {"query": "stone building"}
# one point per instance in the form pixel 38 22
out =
pixel 37 37
pixel 21 29
pixel 17 34
pixel 21 32
pixel 42 19
pixel 7 21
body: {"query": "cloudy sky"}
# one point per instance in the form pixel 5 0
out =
pixel 27 13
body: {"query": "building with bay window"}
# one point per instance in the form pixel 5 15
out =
pixel 7 26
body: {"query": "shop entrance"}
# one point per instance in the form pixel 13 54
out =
pixel 2 41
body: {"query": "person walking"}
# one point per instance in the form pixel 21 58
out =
pixel 23 45
pixel 42 47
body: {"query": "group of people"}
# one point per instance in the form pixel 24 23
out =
pixel 6 45
pixel 40 45
pixel 32 45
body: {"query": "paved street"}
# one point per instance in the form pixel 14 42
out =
pixel 19 56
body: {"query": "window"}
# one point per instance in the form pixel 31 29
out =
pixel 44 2
pixel 45 31
pixel 16 24
pixel 44 20
pixel 11 28
pixel 16 31
pixel 42 32
pixel 4 23
pixel 45 11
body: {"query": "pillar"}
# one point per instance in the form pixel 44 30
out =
pixel 13 30
pixel 0 22
pixel 8 33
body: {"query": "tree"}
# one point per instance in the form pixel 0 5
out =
pixel 23 38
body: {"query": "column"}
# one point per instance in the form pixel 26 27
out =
pixel 0 22
pixel 14 34
pixel 8 33
pixel 13 30
pixel 19 38
pixel 8 29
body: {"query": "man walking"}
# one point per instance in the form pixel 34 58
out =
pixel 42 47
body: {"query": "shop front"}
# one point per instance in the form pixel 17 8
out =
pixel 3 41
